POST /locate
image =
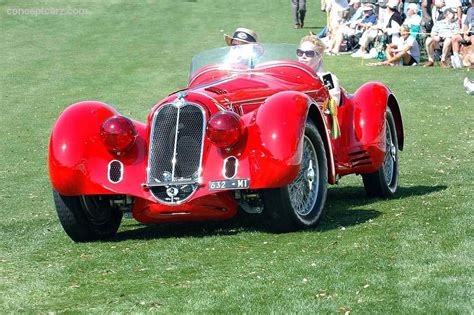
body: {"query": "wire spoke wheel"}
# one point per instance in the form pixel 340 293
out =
pixel 300 203
pixel 304 190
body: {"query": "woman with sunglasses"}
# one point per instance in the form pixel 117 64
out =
pixel 310 52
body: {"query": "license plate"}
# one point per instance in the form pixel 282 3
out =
pixel 229 184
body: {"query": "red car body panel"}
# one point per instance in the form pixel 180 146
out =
pixel 274 101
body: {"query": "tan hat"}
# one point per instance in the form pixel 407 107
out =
pixel 367 7
pixel 242 34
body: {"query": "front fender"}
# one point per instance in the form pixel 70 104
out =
pixel 78 160
pixel 275 139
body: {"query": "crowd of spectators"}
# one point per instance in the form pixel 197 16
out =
pixel 397 32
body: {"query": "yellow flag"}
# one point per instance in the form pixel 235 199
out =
pixel 335 130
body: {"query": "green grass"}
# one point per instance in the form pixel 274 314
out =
pixel 410 254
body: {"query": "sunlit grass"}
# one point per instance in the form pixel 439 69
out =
pixel 409 254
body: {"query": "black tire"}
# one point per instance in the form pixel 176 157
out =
pixel 296 206
pixel 383 183
pixel 87 218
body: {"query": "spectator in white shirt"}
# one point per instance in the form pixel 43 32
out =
pixel 405 50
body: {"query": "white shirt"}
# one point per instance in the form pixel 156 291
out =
pixel 414 50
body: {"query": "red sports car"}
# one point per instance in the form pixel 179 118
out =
pixel 257 132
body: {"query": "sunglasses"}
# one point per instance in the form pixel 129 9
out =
pixel 308 53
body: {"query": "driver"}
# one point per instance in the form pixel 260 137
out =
pixel 310 52
pixel 241 36
pixel 241 53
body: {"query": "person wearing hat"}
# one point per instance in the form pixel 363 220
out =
pixel 241 36
pixel 453 5
pixel 298 8
pixel 442 32
pixel 413 20
pixel 244 50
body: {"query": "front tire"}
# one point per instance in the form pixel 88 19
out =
pixel 87 218
pixel 300 204
pixel 384 182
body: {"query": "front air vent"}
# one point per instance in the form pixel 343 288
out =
pixel 360 158
pixel 216 90
pixel 115 171
pixel 230 167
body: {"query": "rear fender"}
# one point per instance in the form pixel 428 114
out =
pixel 397 115
pixel 361 147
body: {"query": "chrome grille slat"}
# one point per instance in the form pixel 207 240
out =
pixel 177 135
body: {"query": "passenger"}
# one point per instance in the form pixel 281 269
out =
pixel 310 52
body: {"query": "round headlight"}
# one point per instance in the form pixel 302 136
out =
pixel 118 134
pixel 224 129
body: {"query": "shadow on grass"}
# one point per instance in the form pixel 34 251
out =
pixel 341 210
pixel 314 27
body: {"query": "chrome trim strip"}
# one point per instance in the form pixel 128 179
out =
pixel 183 182
pixel 173 161
pixel 212 99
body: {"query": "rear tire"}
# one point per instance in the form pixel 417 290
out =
pixel 300 204
pixel 383 182
pixel 87 218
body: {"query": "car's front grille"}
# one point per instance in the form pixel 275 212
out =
pixel 176 142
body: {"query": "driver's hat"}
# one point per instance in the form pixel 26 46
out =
pixel 243 34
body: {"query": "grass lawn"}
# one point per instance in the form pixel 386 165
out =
pixel 410 254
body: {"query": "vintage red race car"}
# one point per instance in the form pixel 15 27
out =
pixel 259 134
